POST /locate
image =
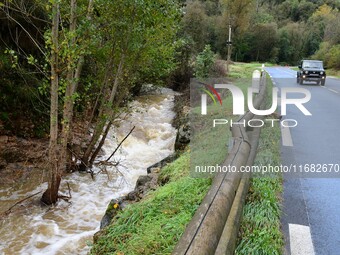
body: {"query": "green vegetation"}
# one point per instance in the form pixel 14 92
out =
pixel 245 70
pixel 85 60
pixel 333 72
pixel 260 231
pixel 278 31
pixel 204 62
pixel 154 225
pixel 152 42
pixel 209 145
pixel 67 61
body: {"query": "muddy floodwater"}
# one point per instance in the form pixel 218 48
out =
pixel 67 228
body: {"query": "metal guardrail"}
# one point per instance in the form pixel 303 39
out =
pixel 215 225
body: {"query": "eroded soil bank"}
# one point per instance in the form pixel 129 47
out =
pixel 69 227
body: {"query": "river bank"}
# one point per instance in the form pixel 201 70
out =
pixel 155 224
pixel 67 228
pixel 19 157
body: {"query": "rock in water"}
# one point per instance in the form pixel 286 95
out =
pixel 183 137
pixel 111 212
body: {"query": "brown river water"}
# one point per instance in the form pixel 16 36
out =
pixel 68 228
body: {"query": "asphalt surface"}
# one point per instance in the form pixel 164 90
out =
pixel 312 199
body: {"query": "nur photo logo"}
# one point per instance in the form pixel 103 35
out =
pixel 218 104
pixel 239 99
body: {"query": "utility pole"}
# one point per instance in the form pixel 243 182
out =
pixel 229 43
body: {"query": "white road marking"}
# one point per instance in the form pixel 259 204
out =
pixel 286 137
pixel 300 240
pixel 334 91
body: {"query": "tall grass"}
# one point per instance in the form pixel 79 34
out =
pixel 260 232
pixel 155 225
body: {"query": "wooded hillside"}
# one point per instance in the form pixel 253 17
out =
pixel 65 62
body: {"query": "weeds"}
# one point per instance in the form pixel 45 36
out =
pixel 260 232
pixel 155 225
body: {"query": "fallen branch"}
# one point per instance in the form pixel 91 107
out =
pixel 77 157
pixel 88 169
pixel 69 190
pixel 103 164
pixel 121 143
pixel 66 198
pixel 17 203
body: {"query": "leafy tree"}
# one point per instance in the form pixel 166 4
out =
pixel 263 40
pixel 195 24
pixel 295 10
pixel 332 27
pixel 139 41
pixel 67 53
pixel 333 57
pixel 242 47
pixel 237 12
pixel 327 20
pixel 204 62
pixel 124 44
pixel 21 36
pixel 212 7
pixel 305 10
pixel 50 196
pixel 262 17
pixel 329 54
pixel 291 43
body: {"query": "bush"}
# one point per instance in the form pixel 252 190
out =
pixel 219 68
pixel 329 54
pixel 204 62
pixel 334 57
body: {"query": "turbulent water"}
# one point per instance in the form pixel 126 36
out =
pixel 67 228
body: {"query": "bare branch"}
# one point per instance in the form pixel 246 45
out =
pixel 120 143
pixel 28 34
pixel 69 190
pixel 17 203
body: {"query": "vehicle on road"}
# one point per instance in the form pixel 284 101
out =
pixel 311 70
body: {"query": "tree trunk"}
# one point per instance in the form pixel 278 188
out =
pixel 50 196
pixel 102 140
pixel 105 115
pixel 97 130
pixel 105 83
pixel 70 88
pixel 73 76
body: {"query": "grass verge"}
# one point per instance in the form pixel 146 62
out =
pixel 245 70
pixel 333 72
pixel 260 231
pixel 155 225
pixel 209 145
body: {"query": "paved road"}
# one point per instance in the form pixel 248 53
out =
pixel 311 206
